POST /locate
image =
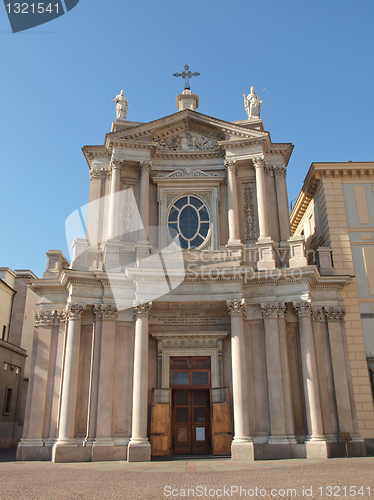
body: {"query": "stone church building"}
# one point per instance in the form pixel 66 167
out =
pixel 188 321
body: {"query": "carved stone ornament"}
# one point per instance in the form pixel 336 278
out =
pixel 74 311
pixel 102 311
pixel 188 141
pixel 236 306
pixel 143 309
pixel 318 314
pixel 45 318
pixel 303 308
pixel 186 173
pixel 249 212
pixel 128 213
pixel 273 310
pixel 259 162
pixel 335 313
pixel 99 172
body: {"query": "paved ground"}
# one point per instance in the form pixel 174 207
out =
pixel 205 478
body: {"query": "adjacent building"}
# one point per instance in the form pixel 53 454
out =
pixel 335 214
pixel 17 330
pixel 189 320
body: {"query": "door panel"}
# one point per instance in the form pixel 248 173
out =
pixel 221 421
pixel 161 422
pixel 181 422
pixel 190 417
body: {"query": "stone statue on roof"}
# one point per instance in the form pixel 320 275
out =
pixel 252 104
pixel 122 105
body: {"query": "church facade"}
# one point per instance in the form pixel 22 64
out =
pixel 189 321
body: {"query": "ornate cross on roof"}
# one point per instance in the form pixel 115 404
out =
pixel 186 75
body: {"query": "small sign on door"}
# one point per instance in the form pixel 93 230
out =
pixel 200 433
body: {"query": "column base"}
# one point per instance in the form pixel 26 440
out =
pixel 104 450
pixel 242 451
pixel 234 249
pixel 143 250
pixel 266 254
pixel 33 449
pixel 139 452
pixel 65 451
pixel 297 251
pixel 111 255
pixel 316 449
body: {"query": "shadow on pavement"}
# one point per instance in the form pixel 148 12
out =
pixel 8 454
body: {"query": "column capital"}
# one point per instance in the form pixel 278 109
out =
pixel 145 166
pixel 236 307
pixel 45 318
pixel 74 311
pixel 143 309
pixel 115 163
pixel 303 308
pixel 97 172
pixel 273 310
pixel 335 313
pixel 230 165
pixel 280 170
pixel 317 313
pixel 259 162
pixel 102 311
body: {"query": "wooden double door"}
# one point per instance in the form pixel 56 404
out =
pixel 191 422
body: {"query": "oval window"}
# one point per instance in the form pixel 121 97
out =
pixel 188 222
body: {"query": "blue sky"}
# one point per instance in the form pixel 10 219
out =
pixel 315 59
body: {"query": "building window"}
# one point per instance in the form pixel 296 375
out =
pixel 8 400
pixel 3 333
pixel 189 222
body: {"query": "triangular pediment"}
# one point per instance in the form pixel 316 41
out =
pixel 186 130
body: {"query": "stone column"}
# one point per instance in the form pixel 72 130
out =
pixel 335 315
pixel 139 449
pixel 103 443
pixel 143 247
pixel 242 445
pixel 66 435
pixel 32 444
pixel 262 209
pixel 115 186
pixel 315 444
pixel 282 198
pixel 234 245
pixel 112 243
pixel 265 244
pixel 278 434
pixel 95 216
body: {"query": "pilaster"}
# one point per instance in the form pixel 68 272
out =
pixel 278 436
pixel 102 386
pixel 315 443
pixel 65 447
pixel 143 248
pixel 31 446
